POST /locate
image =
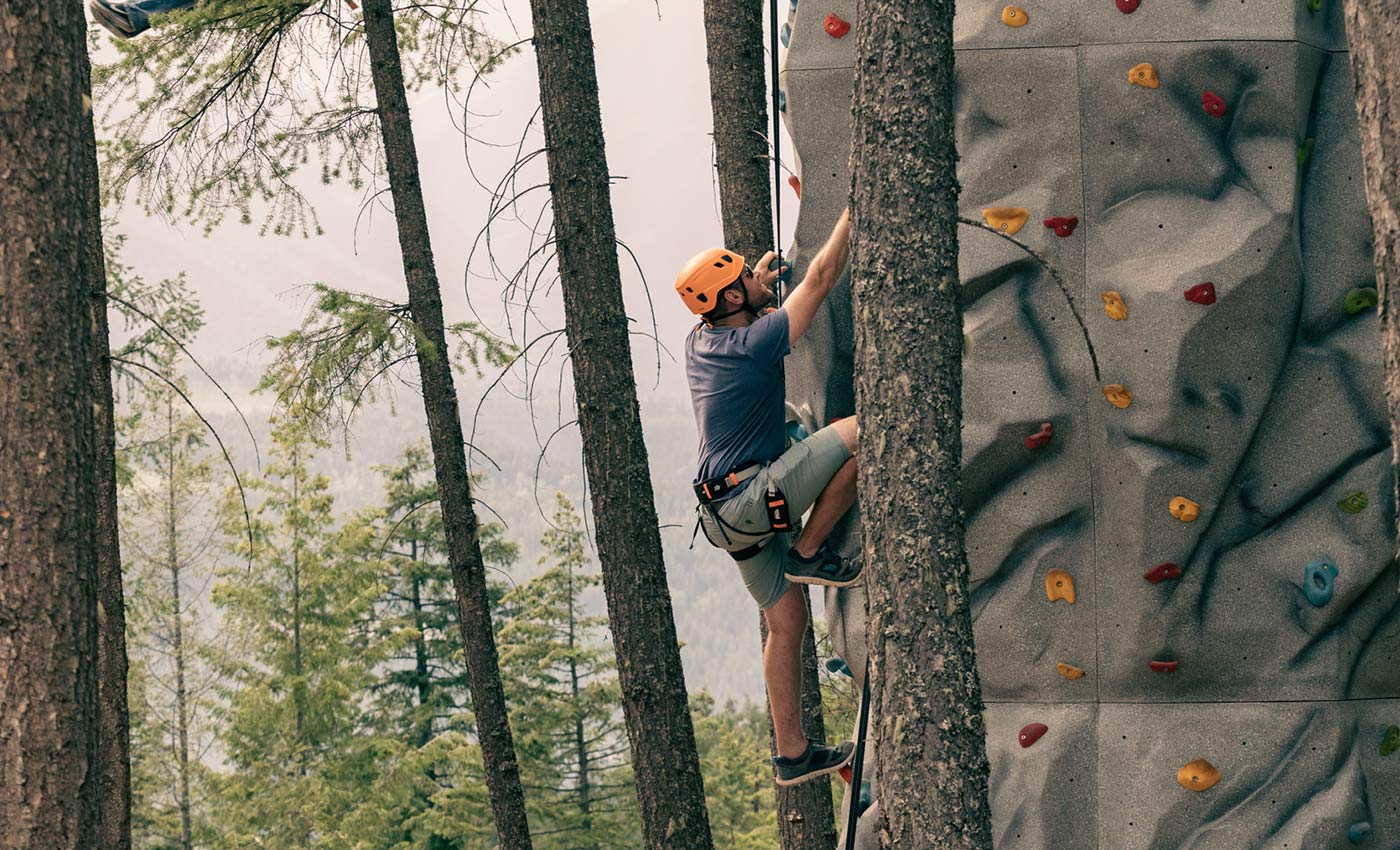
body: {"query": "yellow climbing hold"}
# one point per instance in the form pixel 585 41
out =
pixel 1184 509
pixel 1198 775
pixel 1059 585
pixel 1006 219
pixel 1014 17
pixel 1118 396
pixel 1069 671
pixel 1143 75
pixel 1114 306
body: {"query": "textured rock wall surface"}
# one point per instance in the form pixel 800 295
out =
pixel 1264 408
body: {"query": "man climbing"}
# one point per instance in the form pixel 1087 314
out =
pixel 748 486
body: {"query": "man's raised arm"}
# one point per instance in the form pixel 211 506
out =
pixel 822 274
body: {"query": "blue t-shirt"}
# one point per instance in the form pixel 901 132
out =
pixel 736 387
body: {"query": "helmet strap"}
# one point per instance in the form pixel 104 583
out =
pixel 743 308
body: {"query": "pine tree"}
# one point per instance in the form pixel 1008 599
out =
pixel 170 530
pixel 298 659
pixel 739 789
pixel 48 524
pixel 926 701
pixel 669 784
pixel 562 683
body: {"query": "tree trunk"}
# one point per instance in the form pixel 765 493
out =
pixel 1373 28
pixel 114 731
pixel 584 783
pixel 420 658
pixel 734 48
pixel 654 701
pixel 734 40
pixel 445 433
pixel 926 702
pixel 172 555
pixel 48 554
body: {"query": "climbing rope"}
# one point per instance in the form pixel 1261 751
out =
pixel 777 168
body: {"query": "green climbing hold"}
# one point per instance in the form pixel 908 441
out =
pixel 1360 298
pixel 1353 504
pixel 1305 150
pixel 1391 741
pixel 1314 5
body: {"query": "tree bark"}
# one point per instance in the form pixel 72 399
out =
pixel 1373 30
pixel 734 47
pixel 172 557
pixel 445 433
pixel 654 701
pixel 49 780
pixel 926 701
pixel 114 732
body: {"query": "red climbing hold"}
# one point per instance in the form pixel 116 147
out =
pixel 1162 572
pixel 1041 438
pixel 796 186
pixel 1127 7
pixel 1062 225
pixel 1212 104
pixel 835 27
pixel 1201 293
pixel 1163 666
pixel 845 772
pixel 1031 734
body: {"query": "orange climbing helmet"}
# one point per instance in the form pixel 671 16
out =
pixel 705 276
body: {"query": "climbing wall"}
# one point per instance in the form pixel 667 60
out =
pixel 1186 577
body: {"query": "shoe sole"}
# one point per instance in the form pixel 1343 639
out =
pixel 111 22
pixel 824 582
pixel 816 774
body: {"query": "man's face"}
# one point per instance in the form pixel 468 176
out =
pixel 757 294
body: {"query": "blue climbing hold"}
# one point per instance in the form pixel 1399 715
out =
pixel 786 35
pixel 1319 577
pixel 782 101
pixel 792 5
pixel 867 797
pixel 1357 832
pixel 796 431
pixel 838 666
pixel 786 274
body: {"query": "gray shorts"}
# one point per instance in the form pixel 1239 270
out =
pixel 802 472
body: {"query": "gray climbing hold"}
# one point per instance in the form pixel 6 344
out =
pixel 782 101
pixel 1319 577
pixel 786 35
pixel 838 666
pixel 1357 832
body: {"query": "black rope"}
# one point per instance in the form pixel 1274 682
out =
pixel 858 764
pixel 777 170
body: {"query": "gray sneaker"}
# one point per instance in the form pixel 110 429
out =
pixel 817 761
pixel 826 567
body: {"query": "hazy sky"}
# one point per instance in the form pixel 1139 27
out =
pixel 656 118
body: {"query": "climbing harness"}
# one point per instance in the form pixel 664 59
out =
pixel 712 490
pixel 858 763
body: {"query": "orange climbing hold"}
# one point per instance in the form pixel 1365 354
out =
pixel 1069 671
pixel 1008 220
pixel 1198 775
pixel 1059 585
pixel 1144 75
pixel 1118 395
pixel 1184 509
pixel 835 27
pixel 1113 305
pixel 796 186
pixel 1213 104
pixel 1014 17
pixel 1063 225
